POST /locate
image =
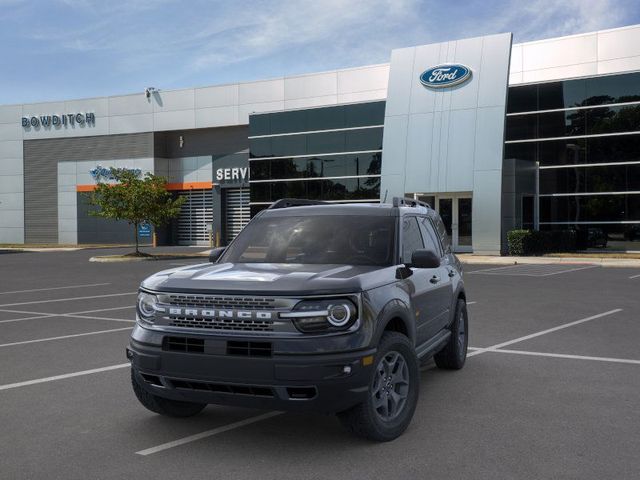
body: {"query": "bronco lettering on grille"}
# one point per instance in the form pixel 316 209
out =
pixel 212 313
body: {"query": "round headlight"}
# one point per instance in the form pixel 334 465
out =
pixel 339 315
pixel 146 305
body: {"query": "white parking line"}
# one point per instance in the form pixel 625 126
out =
pixel 634 276
pixel 543 332
pixel 208 433
pixel 39 315
pixel 534 270
pixel 24 342
pixel 67 299
pixel 563 355
pixel 87 285
pixel 9 386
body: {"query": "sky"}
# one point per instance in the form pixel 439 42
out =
pixel 68 49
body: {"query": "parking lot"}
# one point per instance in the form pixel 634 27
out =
pixel 551 387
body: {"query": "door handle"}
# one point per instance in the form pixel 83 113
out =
pixel 435 279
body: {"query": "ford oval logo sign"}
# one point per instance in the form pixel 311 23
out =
pixel 442 76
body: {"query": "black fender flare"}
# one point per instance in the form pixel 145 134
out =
pixel 395 309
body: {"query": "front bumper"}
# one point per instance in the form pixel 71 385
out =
pixel 321 383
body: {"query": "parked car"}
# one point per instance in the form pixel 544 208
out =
pixel 313 307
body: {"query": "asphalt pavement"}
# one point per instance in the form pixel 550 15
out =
pixel 550 390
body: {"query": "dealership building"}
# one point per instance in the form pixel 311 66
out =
pixel 494 135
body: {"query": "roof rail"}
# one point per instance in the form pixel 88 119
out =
pixel 409 202
pixel 294 202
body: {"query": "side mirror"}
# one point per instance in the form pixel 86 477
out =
pixel 425 259
pixel 215 254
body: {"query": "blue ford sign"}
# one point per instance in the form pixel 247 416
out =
pixel 442 76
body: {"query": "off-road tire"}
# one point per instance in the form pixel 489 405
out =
pixel 164 406
pixel 363 420
pixel 454 354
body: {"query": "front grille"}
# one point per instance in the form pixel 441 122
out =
pixel 253 390
pixel 249 349
pixel 215 302
pixel 222 324
pixel 183 344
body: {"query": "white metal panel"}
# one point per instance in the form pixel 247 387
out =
pixel 245 110
pixel 237 212
pixel 627 64
pixel 569 71
pixel 10 149
pixel 175 120
pixel 374 77
pixel 318 85
pixel 173 100
pixel 311 102
pixel 130 123
pixel 559 52
pixel 10 114
pixel 130 104
pixel 264 91
pixel 220 96
pixel 368 96
pixel 618 43
pixel 99 106
pixel 216 116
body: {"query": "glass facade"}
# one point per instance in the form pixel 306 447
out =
pixel 329 153
pixel 583 139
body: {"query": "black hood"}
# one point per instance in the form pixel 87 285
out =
pixel 270 279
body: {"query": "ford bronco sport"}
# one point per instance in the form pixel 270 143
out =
pixel 313 307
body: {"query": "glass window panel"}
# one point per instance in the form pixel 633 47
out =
pixel 325 118
pixel 369 139
pixel 260 170
pixel 411 238
pixel 429 236
pixel 260 147
pixel 289 145
pixel 369 188
pixel 590 208
pixel 613 119
pixel 522 99
pixel 335 166
pixel 570 93
pixel 521 151
pixel 623 148
pixel 613 89
pixel 615 178
pixel 464 221
pixel 362 114
pixel 604 236
pixel 260 192
pixel 259 125
pixel 329 142
pixel 562 152
pixel 521 127
pixel 561 124
pixel 286 122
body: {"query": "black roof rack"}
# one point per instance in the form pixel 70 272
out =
pixel 408 202
pixel 294 202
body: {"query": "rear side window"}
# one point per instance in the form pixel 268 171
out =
pixel 411 238
pixel 431 241
pixel 442 233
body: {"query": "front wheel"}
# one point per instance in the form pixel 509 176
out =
pixel 164 406
pixel 454 354
pixel 392 395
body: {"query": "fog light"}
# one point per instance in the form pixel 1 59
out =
pixel 346 369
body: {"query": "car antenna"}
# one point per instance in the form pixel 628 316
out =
pixel 385 195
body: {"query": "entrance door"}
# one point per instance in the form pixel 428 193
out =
pixel 455 211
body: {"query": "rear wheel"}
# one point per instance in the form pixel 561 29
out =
pixel 392 395
pixel 454 354
pixel 164 406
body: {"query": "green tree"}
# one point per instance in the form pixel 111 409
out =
pixel 135 199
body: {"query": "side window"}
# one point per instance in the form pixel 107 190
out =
pixel 411 237
pixel 442 233
pixel 431 241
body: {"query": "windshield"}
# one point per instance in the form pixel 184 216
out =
pixel 320 239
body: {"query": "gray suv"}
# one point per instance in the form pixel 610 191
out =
pixel 313 307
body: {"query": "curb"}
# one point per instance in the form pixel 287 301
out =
pixel 121 259
pixel 601 261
